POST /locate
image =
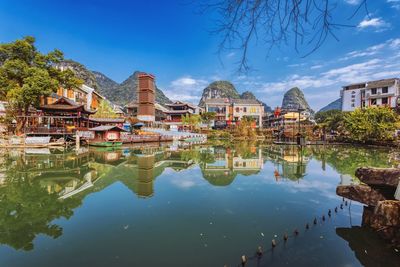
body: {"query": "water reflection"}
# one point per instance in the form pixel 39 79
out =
pixel 39 186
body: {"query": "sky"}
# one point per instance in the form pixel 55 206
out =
pixel 176 43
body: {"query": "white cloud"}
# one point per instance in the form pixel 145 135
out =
pixel 373 50
pixel 353 2
pixel 316 67
pixel 394 4
pixel 395 43
pixel 186 88
pixel 231 55
pixel 377 23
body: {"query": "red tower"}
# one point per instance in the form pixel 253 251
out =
pixel 146 98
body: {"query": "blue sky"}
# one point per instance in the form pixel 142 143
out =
pixel 172 41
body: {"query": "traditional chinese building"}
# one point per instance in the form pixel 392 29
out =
pixel 64 116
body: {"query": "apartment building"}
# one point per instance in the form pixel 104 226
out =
pixel 373 93
pixel 231 111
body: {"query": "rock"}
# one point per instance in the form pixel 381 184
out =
pixel 388 212
pixel 360 193
pixel 384 220
pixel 295 99
pixel 379 176
pixel 219 89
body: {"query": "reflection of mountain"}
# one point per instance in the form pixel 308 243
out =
pixel 289 161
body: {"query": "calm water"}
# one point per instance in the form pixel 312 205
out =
pixel 204 206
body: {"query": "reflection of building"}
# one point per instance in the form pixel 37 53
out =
pixel 290 161
pixel 145 179
pixel 227 164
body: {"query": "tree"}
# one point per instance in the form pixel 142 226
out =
pixel 26 75
pixel 305 23
pixel 371 124
pixel 331 120
pixel 245 128
pixel 207 117
pixel 192 121
pixel 105 111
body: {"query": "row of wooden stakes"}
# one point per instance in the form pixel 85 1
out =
pixel 260 251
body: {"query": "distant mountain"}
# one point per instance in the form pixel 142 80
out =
pixel 250 95
pixel 225 89
pixel 119 94
pixel 106 86
pixel 335 105
pixel 219 89
pixel 125 92
pixel 294 99
pixel 80 71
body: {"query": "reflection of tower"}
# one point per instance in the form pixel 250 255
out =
pixel 146 98
pixel 145 175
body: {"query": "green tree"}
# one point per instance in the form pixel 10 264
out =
pixel 105 111
pixel 371 124
pixel 331 120
pixel 192 121
pixel 26 75
pixel 207 117
pixel 245 128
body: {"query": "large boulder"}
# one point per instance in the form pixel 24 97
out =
pixel 379 176
pixel 360 193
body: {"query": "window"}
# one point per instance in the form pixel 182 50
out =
pixel 352 105
pixel 385 101
pixel 373 91
pixel 353 96
pixel 237 109
pixel 373 102
pixel 385 90
pixel 244 109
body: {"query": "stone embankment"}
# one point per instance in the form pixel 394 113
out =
pixel 378 191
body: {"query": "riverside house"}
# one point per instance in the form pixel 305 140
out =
pixel 231 111
pixel 178 109
pixel 63 112
pixel 384 92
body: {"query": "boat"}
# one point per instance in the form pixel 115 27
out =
pixel 106 144
pixel 106 136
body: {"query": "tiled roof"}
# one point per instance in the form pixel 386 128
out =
pixel 381 83
pixel 246 101
pixel 108 120
pixel 104 128
pixel 217 101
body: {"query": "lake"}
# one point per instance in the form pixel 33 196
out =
pixel 202 205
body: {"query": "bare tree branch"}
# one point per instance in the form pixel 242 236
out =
pixel 305 23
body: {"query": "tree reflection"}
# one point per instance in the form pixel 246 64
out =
pixel 27 209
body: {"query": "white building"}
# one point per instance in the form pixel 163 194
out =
pixel 373 93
